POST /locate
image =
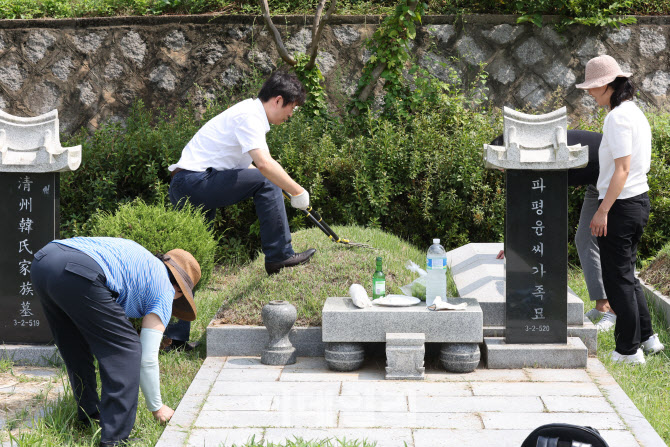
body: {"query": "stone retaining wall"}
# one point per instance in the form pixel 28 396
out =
pixel 93 69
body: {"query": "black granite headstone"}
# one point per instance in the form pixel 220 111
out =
pixel 31 220
pixel 536 248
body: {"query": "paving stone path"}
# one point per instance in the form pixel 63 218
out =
pixel 234 398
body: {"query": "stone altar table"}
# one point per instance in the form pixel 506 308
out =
pixel 344 327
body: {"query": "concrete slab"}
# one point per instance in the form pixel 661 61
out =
pixel 661 301
pixel 223 437
pixel 234 340
pixel 330 376
pixel 344 322
pixel 479 375
pixel 405 388
pixel 500 355
pixel 557 375
pixel 586 332
pixel 385 403
pixel 382 437
pixel 469 438
pixel 250 375
pixel 239 403
pixel 475 404
pixel 530 421
pixel 31 355
pixel 573 404
pixel 222 388
pixel 535 389
pixel 238 419
pixel 173 437
pixel 409 420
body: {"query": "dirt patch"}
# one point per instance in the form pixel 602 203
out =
pixel 658 274
pixel 24 391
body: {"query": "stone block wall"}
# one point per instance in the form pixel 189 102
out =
pixel 92 70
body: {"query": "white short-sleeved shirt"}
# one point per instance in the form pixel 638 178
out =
pixel 224 141
pixel 626 131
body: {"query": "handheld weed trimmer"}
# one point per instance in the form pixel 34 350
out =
pixel 317 220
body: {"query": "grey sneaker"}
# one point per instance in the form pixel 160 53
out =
pixel 653 345
pixel 593 314
pixel 607 322
pixel 633 359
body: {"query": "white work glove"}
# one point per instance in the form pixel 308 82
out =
pixel 301 201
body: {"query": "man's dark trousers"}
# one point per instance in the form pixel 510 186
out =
pixel 217 189
pixel 86 321
pixel 618 253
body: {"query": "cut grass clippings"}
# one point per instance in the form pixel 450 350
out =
pixel 330 272
pixel 648 385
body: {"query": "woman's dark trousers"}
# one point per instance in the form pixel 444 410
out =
pixel 86 322
pixel 618 252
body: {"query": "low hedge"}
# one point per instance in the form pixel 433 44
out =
pixel 160 229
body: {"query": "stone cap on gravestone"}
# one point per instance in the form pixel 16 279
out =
pixel 535 142
pixel 33 145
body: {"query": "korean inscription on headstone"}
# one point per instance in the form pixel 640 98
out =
pixel 31 159
pixel 536 251
pixel 34 223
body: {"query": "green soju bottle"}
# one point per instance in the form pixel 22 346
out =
pixel 378 281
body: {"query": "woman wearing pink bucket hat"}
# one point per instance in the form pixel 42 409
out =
pixel 625 159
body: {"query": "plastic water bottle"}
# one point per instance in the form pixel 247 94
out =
pixel 436 266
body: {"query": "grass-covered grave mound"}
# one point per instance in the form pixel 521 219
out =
pixel 657 272
pixel 330 272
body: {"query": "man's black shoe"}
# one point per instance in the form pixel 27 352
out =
pixel 296 259
pixel 129 441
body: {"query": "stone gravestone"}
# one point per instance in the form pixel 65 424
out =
pixel 31 158
pixel 536 158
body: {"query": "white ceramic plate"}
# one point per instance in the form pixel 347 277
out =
pixel 396 301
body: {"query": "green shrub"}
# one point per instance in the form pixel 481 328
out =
pixel 120 164
pixel 160 229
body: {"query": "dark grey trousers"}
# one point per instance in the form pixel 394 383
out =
pixel 86 322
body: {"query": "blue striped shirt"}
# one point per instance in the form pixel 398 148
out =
pixel 140 278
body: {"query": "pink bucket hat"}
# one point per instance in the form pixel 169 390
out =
pixel 601 71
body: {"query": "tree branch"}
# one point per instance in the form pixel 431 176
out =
pixel 376 73
pixel 275 34
pixel 317 30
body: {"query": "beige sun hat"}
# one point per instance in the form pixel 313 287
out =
pixel 601 71
pixel 186 272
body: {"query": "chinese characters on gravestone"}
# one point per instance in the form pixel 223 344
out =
pixel 29 181
pixel 536 158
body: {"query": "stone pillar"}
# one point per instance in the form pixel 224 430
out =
pixel 31 159
pixel 404 356
pixel 536 158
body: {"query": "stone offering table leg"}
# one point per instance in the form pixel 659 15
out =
pixel 344 356
pixel 459 357
pixel 404 356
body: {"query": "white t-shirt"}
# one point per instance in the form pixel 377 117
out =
pixel 224 141
pixel 626 131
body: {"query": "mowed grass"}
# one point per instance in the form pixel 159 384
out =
pixel 648 385
pixel 330 272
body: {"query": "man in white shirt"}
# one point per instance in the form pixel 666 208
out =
pixel 215 169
